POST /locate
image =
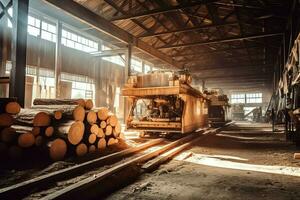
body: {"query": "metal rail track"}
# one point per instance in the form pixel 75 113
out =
pixel 81 189
pixel 76 190
pixel 22 189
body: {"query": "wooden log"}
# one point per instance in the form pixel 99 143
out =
pixel 74 130
pixel 121 136
pixel 100 133
pixel 57 149
pixel 112 119
pixel 33 118
pixel 49 131
pixel 79 113
pixel 89 104
pixel 4 102
pixel 80 102
pixel 117 130
pixel 63 112
pixel 103 124
pixel 101 143
pixel 103 113
pixel 6 119
pixel 92 138
pixel 81 149
pixel 92 148
pixel 11 134
pixel 112 141
pixel 108 130
pixel 26 140
pixel 91 117
pixel 94 129
pixel 13 108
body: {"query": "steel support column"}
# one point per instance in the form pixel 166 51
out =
pixel 18 52
pixel 58 61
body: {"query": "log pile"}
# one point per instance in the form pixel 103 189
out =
pixel 57 127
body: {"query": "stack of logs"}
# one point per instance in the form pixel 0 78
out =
pixel 59 127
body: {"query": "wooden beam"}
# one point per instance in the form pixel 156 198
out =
pixel 254 36
pixel 201 69
pixel 188 29
pixel 87 16
pixel 18 51
pixel 107 53
pixel 160 10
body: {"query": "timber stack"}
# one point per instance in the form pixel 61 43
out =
pixel 57 127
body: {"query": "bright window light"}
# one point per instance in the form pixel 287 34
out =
pixel 75 41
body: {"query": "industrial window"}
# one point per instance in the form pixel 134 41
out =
pixel 136 65
pixel 48 32
pixel 254 98
pixel 238 98
pixel 147 68
pixel 34 25
pixel 119 60
pixel 75 41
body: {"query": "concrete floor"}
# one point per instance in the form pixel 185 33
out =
pixel 246 161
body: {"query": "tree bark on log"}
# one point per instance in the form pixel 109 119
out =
pixel 80 102
pixel 33 117
pixel 63 112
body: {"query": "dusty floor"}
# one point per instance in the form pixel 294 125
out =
pixel 246 161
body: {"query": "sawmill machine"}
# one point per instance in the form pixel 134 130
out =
pixel 164 102
pixel 218 108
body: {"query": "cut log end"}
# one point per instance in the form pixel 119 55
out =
pixel 103 113
pixel 49 131
pixel 26 140
pixel 113 120
pixel 76 132
pixel 94 129
pixel 103 124
pixel 79 113
pixel 58 114
pixel 100 133
pixel 108 130
pixel 112 141
pixel 41 119
pixel 89 104
pixel 13 108
pixel 58 149
pixel 91 117
pixel 92 148
pixel 92 138
pixel 101 144
pixel 81 149
pixel 6 119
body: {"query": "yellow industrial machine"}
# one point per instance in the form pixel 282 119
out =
pixel 218 108
pixel 164 102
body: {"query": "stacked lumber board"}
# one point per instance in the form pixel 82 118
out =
pixel 56 127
